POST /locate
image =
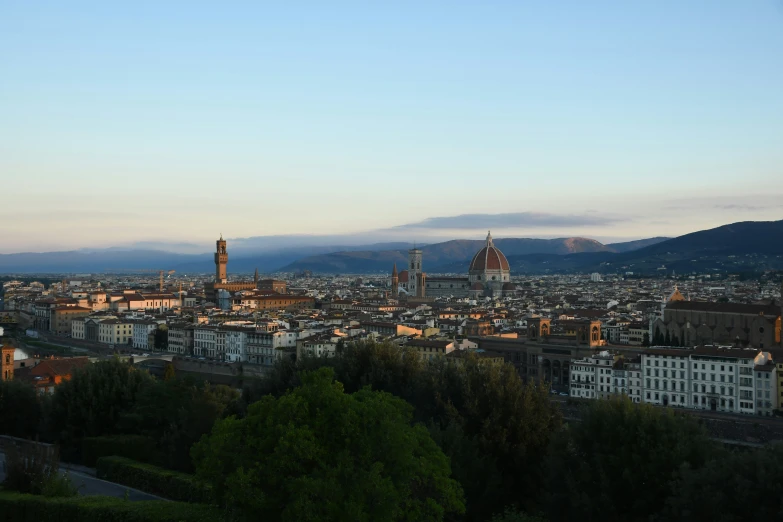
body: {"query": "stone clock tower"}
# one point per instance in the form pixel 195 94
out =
pixel 221 260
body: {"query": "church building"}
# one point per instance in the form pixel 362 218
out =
pixel 489 275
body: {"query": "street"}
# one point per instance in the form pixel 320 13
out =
pixel 89 485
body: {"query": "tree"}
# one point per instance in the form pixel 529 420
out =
pixel 658 339
pixel 646 339
pixel 168 372
pixel 733 487
pixel 494 427
pixel 176 414
pixel 161 339
pixel 317 453
pixel 667 340
pixel 93 402
pixel 618 464
pixel 20 410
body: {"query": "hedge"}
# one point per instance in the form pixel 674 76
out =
pixel 136 447
pixel 17 507
pixel 165 483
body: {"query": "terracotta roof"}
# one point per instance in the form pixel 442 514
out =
pixel 489 258
pixel 60 367
pixel 403 276
pixel 726 308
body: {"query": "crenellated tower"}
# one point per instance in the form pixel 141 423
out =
pixel 221 260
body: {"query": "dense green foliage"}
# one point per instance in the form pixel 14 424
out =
pixel 158 481
pixel 93 403
pixel 619 463
pixel 16 507
pixel 494 427
pixel 393 434
pixel 176 414
pixel 733 487
pixel 112 398
pixel 20 410
pixel 319 454
pixel 137 447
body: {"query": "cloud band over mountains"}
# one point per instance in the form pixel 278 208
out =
pixel 512 220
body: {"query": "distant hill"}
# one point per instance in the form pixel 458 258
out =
pixel 450 256
pixel 629 246
pixel 113 259
pixel 737 247
pixel 744 246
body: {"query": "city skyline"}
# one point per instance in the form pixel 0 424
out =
pixel 161 123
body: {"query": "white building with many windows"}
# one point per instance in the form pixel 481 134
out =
pixel 716 378
pixel 205 341
pixel 665 377
pixel 591 377
pixel 141 333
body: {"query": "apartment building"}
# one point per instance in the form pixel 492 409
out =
pixel 141 333
pixel 205 341
pixel 724 379
pixel 115 331
pixel 592 376
pixel 180 338
pixel 666 378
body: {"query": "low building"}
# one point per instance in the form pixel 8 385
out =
pixel 49 373
pixel 62 317
pixel 430 349
pixel 115 331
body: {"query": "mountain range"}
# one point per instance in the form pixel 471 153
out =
pixel 454 256
pixel 736 247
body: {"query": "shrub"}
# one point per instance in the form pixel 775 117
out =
pixel 172 485
pixel 135 447
pixel 34 468
pixel 16 507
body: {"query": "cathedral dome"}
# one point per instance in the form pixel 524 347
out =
pixel 489 258
pixel 477 286
pixel 403 276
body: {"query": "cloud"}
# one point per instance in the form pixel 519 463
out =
pixel 513 220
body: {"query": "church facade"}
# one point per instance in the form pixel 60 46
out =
pixel 489 275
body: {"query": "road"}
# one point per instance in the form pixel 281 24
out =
pixel 88 485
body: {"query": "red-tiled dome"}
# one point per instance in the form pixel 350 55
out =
pixel 489 258
pixel 477 286
pixel 403 276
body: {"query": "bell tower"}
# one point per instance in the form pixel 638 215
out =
pixel 414 271
pixel 7 363
pixel 395 282
pixel 221 260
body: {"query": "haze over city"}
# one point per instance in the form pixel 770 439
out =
pixel 172 122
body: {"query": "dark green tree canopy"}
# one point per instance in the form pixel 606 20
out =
pixel 619 462
pixel 319 454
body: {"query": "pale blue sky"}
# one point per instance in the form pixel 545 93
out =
pixel 156 120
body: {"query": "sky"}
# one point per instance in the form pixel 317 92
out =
pixel 127 122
